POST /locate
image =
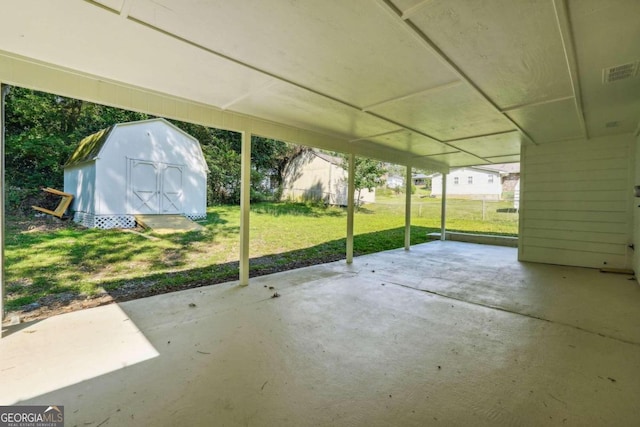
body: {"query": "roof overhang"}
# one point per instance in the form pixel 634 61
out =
pixel 434 84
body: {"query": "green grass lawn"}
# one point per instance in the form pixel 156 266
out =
pixel 75 261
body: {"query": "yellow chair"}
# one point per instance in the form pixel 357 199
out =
pixel 65 201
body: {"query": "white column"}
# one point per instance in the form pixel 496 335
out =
pixel 407 210
pixel 351 189
pixel 3 90
pixel 443 213
pixel 245 192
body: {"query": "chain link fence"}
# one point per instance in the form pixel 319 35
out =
pixel 497 216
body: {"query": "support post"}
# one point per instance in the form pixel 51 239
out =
pixel 443 211
pixel 245 192
pixel 351 189
pixel 3 91
pixel 407 210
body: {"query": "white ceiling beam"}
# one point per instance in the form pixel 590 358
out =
pixel 122 9
pixel 106 6
pixel 391 132
pixel 411 95
pixel 564 26
pixel 426 135
pixel 244 96
pixel 535 104
pixel 429 156
pixel 453 141
pixel 491 158
pixel 407 14
pixel 435 50
pixel 378 152
pixel 126 7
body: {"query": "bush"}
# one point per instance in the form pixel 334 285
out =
pixel 18 201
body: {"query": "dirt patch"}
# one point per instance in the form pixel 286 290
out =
pixel 40 223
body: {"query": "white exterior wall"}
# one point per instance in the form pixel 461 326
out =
pixel 576 202
pixel 153 141
pixel 395 182
pixel 81 182
pixel 316 178
pixel 481 187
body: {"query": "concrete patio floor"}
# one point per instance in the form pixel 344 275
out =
pixel 448 333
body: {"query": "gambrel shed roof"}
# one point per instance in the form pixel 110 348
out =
pixel 90 146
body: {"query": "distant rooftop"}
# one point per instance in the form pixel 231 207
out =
pixel 502 167
pixel 328 157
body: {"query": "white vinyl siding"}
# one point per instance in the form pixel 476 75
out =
pixel 469 182
pixel 576 202
pixel 75 180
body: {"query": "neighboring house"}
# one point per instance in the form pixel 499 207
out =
pixel 394 181
pixel 478 182
pixel 145 167
pixel 320 176
pixel 419 179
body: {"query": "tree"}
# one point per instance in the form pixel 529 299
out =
pixel 273 158
pixel 368 174
pixel 41 132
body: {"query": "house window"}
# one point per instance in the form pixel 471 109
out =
pixel 456 180
pixel 470 180
pixel 490 179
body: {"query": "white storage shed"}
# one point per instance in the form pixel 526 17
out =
pixel 146 167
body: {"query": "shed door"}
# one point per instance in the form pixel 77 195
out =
pixel 171 189
pixel 144 187
pixel 155 187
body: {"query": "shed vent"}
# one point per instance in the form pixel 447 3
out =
pixel 619 72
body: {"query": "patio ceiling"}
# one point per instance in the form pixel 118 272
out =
pixel 444 83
